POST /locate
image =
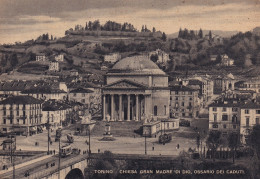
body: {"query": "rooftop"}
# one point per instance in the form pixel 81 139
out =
pixel 21 100
pixel 81 90
pixel 137 65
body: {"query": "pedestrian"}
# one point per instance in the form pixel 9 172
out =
pixel 54 152
pixel 98 150
pixel 153 148
pixel 178 146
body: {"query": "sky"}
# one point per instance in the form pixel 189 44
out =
pixel 22 20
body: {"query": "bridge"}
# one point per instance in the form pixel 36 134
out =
pixel 72 166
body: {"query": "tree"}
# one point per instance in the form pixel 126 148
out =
pixel 198 141
pixel 210 35
pixel 218 59
pixel 200 34
pixel 86 27
pixel 142 28
pixel 180 33
pixel 154 30
pixel 164 38
pixel 214 141
pixel 3 61
pixel 254 139
pixel 154 58
pixel 233 143
pixel 14 60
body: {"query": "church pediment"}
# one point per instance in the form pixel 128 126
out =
pixel 125 84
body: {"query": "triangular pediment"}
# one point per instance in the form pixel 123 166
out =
pixel 123 84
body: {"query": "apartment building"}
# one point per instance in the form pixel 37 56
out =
pixel 21 115
pixel 184 102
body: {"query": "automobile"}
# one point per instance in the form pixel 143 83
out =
pixel 165 138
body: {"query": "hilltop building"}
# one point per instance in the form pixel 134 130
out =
pixel 163 57
pixel 226 61
pixel 54 66
pixel 40 57
pixel 112 58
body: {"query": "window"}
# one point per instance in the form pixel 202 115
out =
pixel 4 112
pixel 173 124
pixel 234 109
pixel 17 121
pixel 224 117
pixel 182 104
pixel 83 100
pixel 234 118
pixel 224 109
pixel 234 126
pixel 224 126
pixel 170 98
pixel 168 125
pixel 190 104
pixel 183 114
pixel 215 126
pixel 4 121
pixel 164 109
pixel 215 117
pixel 176 98
pixel 176 92
pixel 247 121
pixel 257 111
pixel 176 105
pixel 190 93
pixel 11 121
pixel 190 99
pixel 17 113
pixel 214 109
pixel 246 111
pixel 155 110
pixel 257 121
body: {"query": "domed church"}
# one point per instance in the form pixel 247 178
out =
pixel 136 89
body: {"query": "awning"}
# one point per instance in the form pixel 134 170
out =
pixel 33 129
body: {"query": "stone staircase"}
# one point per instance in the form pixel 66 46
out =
pixel 118 129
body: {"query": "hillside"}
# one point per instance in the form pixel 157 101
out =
pixel 89 50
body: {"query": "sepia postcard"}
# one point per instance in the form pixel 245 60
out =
pixel 130 89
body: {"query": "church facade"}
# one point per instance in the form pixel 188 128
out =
pixel 136 89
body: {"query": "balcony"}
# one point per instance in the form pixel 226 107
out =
pixel 23 117
pixel 10 116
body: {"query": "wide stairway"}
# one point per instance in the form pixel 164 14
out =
pixel 118 129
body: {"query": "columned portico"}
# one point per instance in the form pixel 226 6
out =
pixel 122 107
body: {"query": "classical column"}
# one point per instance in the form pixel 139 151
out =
pixel 128 107
pixel 120 107
pixel 112 107
pixel 137 107
pixel 104 107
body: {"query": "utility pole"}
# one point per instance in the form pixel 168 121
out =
pixel 48 128
pixel 59 159
pixel 145 152
pixel 89 142
pixel 14 157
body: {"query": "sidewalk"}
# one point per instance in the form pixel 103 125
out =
pixel 25 164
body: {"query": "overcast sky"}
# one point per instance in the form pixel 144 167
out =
pixel 22 20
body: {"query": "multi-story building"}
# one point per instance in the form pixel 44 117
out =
pixel 226 61
pixel 252 84
pixel 47 90
pixel 54 66
pixel 224 83
pixel 55 112
pixel 81 95
pixel 163 57
pixel 224 115
pixel 184 102
pixel 59 58
pixel 21 115
pixel 41 57
pixel 112 58
pixel 250 116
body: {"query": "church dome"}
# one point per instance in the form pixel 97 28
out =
pixel 137 64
